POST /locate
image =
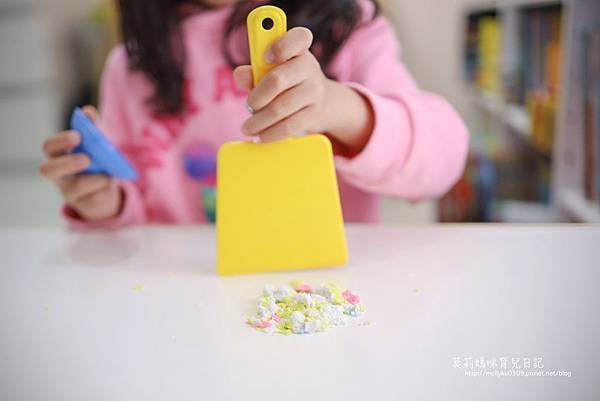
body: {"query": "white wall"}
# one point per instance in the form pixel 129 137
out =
pixel 61 17
pixel 26 88
pixel 431 36
pixel 35 74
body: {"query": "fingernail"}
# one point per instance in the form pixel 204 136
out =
pixel 269 57
pixel 83 160
pixel 250 109
pixel 73 137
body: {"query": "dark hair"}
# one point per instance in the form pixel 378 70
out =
pixel 153 39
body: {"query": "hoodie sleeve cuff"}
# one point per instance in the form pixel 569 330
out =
pixel 389 143
pixel 131 213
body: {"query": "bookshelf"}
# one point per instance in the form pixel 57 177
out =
pixel 571 165
pixel 578 208
pixel 514 116
pixel 525 71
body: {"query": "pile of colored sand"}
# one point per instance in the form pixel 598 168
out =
pixel 300 308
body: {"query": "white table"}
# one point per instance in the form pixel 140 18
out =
pixel 75 323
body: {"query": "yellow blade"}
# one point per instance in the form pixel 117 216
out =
pixel 278 205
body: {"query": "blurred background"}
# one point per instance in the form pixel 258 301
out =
pixel 524 74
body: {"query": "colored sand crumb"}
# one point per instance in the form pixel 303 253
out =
pixel 300 308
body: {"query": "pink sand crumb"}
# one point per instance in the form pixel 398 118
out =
pixel 263 325
pixel 307 288
pixel 351 298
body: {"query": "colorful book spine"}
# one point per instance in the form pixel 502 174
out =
pixel 597 129
pixel 591 126
pixel 490 43
pixel 542 65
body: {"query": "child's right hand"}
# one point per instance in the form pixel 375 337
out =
pixel 93 197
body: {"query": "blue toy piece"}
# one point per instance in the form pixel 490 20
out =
pixel 106 158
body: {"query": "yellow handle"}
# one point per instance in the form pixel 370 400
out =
pixel 266 24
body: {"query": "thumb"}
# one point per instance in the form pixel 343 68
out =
pixel 91 112
pixel 243 77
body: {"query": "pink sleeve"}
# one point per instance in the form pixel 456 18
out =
pixel 114 124
pixel 419 145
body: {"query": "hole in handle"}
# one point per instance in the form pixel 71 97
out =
pixel 268 24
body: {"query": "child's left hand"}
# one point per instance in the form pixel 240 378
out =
pixel 291 98
pixel 296 97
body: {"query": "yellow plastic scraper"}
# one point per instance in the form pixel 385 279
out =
pixel 278 205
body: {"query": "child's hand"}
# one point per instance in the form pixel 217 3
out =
pixel 296 97
pixel 291 98
pixel 93 197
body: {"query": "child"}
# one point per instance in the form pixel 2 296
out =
pixel 169 99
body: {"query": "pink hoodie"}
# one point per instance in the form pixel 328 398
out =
pixel 417 150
